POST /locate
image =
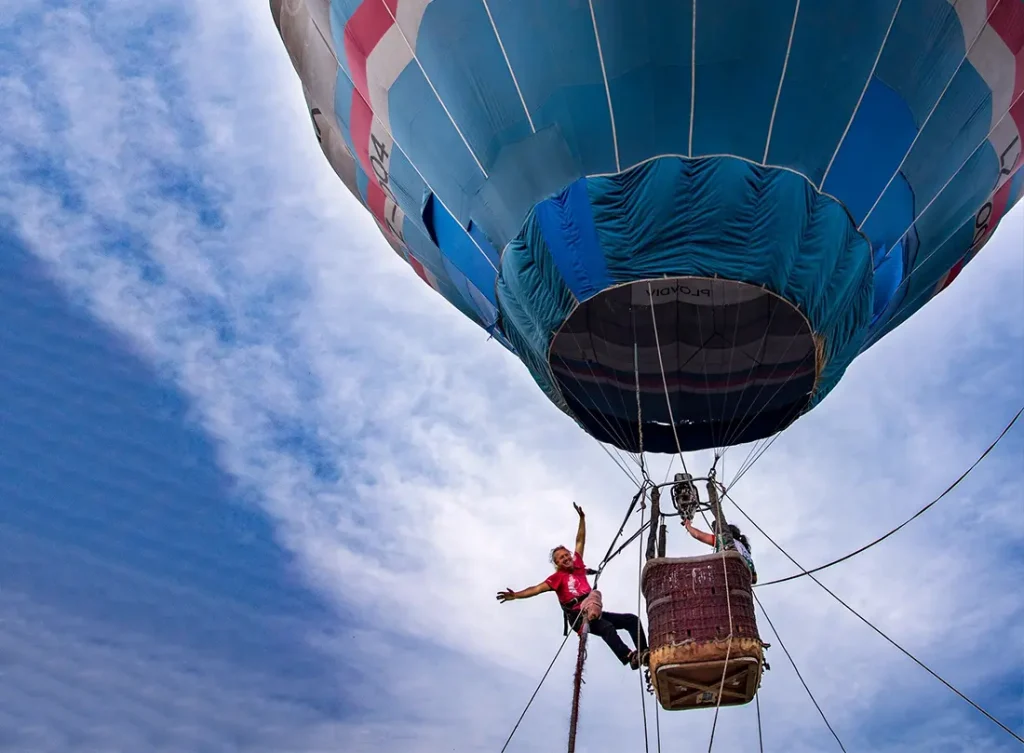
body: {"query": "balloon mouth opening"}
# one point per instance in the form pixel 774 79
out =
pixel 685 363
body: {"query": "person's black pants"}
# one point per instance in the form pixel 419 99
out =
pixel 608 625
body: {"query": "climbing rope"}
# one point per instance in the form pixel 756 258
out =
pixel 574 715
pixel 597 576
pixel 534 695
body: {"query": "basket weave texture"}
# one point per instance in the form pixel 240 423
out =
pixel 688 609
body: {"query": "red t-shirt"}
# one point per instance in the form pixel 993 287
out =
pixel 570 585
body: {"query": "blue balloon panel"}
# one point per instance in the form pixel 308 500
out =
pixel 687 219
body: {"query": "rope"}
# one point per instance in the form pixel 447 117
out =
pixel 597 577
pixel 664 380
pixel 622 467
pixel 639 627
pixel 856 614
pixel 745 466
pixel 585 630
pixel 728 602
pixel 581 656
pixel 657 725
pixel 760 739
pixel 630 540
pixel 609 555
pixel 536 690
pixel 639 407
pixel 597 382
pixel 917 514
pixel 799 676
pixel 757 452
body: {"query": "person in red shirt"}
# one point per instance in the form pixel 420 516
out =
pixel 570 584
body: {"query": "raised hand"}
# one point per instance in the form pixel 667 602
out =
pixel 579 510
pixel 507 595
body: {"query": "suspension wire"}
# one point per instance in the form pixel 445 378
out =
pixel 720 451
pixel 751 413
pixel 789 419
pixel 653 521
pixel 716 501
pixel 619 453
pixel 598 418
pixel 707 379
pixel 754 364
pixel 664 379
pixel 639 409
pixel 747 466
pixel 629 541
pixel 597 577
pixel 537 690
pixel 668 469
pixel 657 721
pixel 856 614
pixel 799 676
pixel 750 454
pixel 623 468
pixel 582 653
pixel 600 569
pixel 760 739
pixel 668 403
pixel 619 436
pixel 757 447
pixel 622 399
pixel 640 626
pixel 917 514
pixel 749 419
pixel 608 555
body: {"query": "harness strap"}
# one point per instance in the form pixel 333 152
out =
pixel 570 609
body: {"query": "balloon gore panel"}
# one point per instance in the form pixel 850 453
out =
pixel 816 172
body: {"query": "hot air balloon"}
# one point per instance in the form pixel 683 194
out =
pixel 687 219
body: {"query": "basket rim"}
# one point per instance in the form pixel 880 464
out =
pixel 656 562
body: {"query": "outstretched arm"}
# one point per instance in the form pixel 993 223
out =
pixel 509 595
pixel 581 532
pixel 698 534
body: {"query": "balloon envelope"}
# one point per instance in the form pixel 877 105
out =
pixel 685 218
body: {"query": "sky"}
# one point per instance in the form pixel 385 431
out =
pixel 259 484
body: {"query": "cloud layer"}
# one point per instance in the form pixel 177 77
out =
pixel 161 164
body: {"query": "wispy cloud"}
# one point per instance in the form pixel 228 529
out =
pixel 159 160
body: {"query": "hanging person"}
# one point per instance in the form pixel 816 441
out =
pixel 734 540
pixel 580 602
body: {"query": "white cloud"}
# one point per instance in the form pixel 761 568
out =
pixel 454 474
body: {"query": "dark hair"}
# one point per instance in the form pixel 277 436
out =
pixel 736 534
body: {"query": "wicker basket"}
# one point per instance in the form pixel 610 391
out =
pixel 688 609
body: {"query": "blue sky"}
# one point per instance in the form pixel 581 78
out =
pixel 260 485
